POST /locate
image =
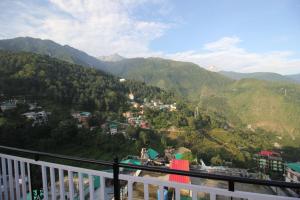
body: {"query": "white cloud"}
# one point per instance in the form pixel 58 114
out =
pixel 224 43
pixel 225 54
pixel 98 27
pixel 103 27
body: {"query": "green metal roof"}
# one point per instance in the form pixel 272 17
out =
pixel 178 156
pixel 152 153
pixel 131 161
pixel 85 113
pixel 294 166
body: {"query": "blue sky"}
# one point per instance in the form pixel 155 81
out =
pixel 266 25
pixel 236 35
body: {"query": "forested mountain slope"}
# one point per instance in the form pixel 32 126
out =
pixel 62 82
pixel 185 78
pixel 272 105
pixel 267 76
pixel 50 48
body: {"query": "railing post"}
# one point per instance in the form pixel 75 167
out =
pixel 231 186
pixel 116 179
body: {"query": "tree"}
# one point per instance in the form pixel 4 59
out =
pixel 65 131
pixel 216 160
pixel 144 137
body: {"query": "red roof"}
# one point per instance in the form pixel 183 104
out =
pixel 179 165
pixel 268 153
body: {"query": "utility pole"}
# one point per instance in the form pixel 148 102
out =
pixel 285 92
pixel 196 112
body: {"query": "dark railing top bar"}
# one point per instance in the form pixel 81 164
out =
pixel 214 176
pixel 230 179
pixel 38 154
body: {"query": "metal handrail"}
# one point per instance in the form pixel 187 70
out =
pixel 116 166
pixel 38 154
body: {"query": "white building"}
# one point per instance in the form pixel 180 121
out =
pixel 8 105
pixel 38 118
pixel 292 172
pixel 131 96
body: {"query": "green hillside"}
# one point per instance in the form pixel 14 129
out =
pixel 61 88
pixel 295 77
pixel 267 76
pixel 185 78
pixel 69 84
pixel 50 48
pixel 272 105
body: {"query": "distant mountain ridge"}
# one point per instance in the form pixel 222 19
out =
pixel 267 76
pixel 295 77
pixel 185 78
pixel 111 58
pixel 50 48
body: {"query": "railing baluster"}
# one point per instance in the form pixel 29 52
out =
pixel 29 180
pixel 80 181
pixel 177 193
pixel 23 177
pixel 0 184
pixel 102 188
pixel 146 191
pixel 0 180
pixel 17 183
pixel 194 195
pixel 61 184
pixel 11 181
pixel 212 196
pixel 4 178
pixel 45 184
pixel 0 187
pixel 161 192
pixel 129 188
pixel 52 181
pixel 116 171
pixel 91 186
pixel 71 185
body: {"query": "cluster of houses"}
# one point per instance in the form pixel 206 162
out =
pixel 136 119
pixel 38 118
pixel 34 114
pixel 8 105
pixel 160 105
pixel 82 118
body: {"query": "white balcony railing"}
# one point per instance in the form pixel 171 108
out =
pixel 68 182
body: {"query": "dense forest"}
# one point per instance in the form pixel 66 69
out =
pixel 60 87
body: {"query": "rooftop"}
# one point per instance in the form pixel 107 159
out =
pixel 269 153
pixel 294 166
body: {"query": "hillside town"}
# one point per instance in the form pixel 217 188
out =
pixel 269 164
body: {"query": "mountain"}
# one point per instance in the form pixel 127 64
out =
pixel 295 77
pixel 50 48
pixel 185 78
pixel 111 58
pixel 268 76
pixel 271 105
pixel 43 77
